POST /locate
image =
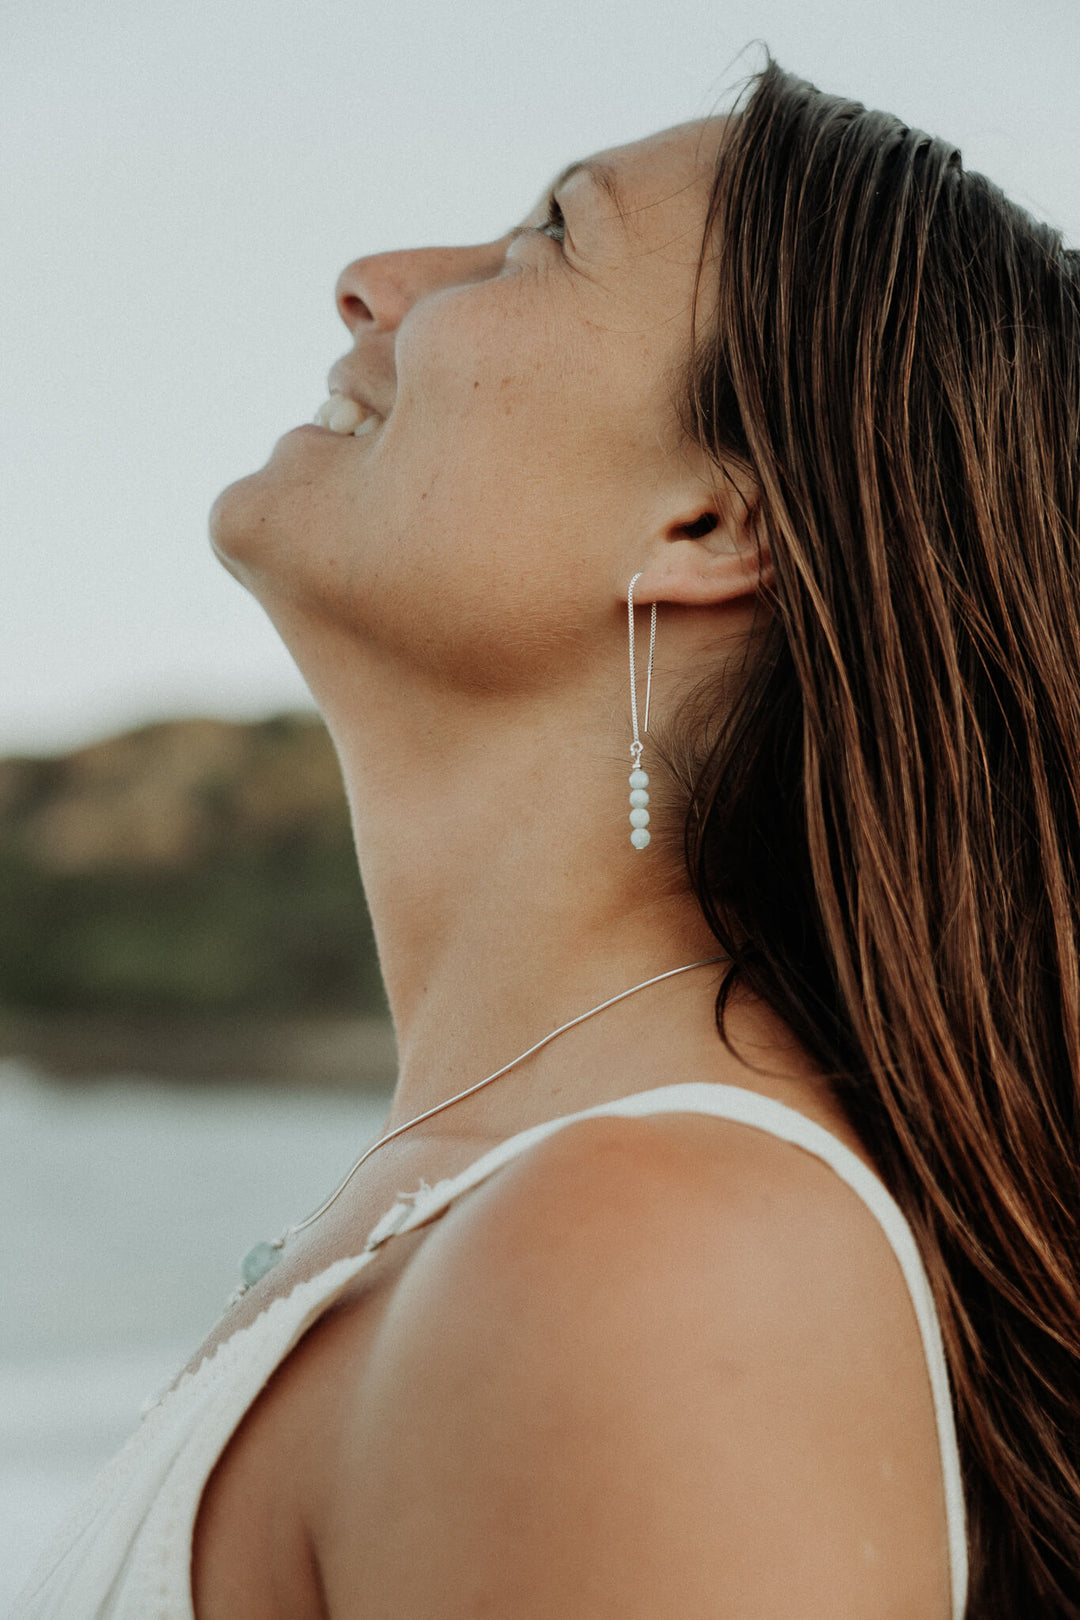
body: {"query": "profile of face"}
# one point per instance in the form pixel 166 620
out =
pixel 529 456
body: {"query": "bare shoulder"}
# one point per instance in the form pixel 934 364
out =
pixel 654 1366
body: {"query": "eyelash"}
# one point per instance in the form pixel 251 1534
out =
pixel 554 219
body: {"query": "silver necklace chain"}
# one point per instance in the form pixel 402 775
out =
pixel 264 1256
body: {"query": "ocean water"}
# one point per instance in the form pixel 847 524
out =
pixel 124 1209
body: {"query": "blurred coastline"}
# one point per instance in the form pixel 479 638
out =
pixel 183 901
pixel 346 1054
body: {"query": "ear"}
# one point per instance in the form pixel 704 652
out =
pixel 711 549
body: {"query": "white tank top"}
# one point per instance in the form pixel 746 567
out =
pixel 125 1554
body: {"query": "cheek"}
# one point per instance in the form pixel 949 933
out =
pixel 514 406
pixel 483 369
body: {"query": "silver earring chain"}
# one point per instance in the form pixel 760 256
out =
pixel 637 745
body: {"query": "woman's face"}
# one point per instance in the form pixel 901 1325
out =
pixel 530 449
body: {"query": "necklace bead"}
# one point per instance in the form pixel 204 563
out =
pixel 260 1258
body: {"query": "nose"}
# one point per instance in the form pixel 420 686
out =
pixel 378 291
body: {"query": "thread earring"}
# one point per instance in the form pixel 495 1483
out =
pixel 639 780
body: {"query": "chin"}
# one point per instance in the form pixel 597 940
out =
pixel 237 520
pixel 220 526
pixel 255 526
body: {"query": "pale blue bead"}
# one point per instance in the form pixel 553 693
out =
pixel 260 1259
pixel 639 818
pixel 639 778
pixel 639 798
pixel 640 837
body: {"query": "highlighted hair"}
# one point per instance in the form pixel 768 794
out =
pixel 884 817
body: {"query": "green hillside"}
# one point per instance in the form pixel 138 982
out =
pixel 190 867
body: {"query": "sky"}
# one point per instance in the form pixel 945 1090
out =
pixel 181 183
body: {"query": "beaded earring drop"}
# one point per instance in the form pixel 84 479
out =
pixel 639 780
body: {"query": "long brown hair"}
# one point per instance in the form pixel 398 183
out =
pixel 884 824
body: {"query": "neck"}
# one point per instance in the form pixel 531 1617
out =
pixel 507 899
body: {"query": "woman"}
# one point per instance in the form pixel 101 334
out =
pixel 804 385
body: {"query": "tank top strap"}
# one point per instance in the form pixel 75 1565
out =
pixel 744 1107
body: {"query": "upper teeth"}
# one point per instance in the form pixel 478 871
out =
pixel 343 415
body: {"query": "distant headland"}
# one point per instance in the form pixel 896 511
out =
pixel 183 900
